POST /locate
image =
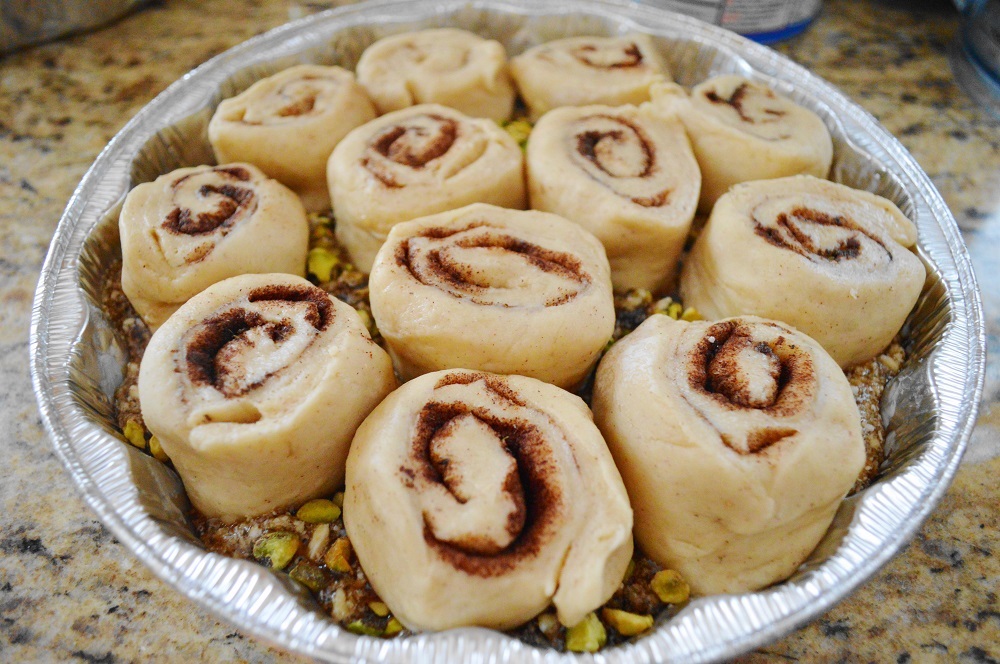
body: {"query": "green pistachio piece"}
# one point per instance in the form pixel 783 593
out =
pixel 276 549
pixel 319 510
pixel 338 556
pixel 519 130
pixel 135 434
pixel 588 635
pixel 309 575
pixel 675 310
pixel 670 587
pixel 379 609
pixel 321 263
pixel 394 627
pixel 359 627
pixel 338 499
pixel 691 314
pixel 626 623
pixel 157 450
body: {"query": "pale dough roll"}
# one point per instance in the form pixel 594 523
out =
pixel 255 388
pixel 288 124
pixel 578 71
pixel 445 66
pixel 418 161
pixel 742 130
pixel 625 174
pixel 478 499
pixel 482 287
pixel 195 226
pixel 737 441
pixel 834 262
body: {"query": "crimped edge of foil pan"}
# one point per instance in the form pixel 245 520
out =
pixel 930 407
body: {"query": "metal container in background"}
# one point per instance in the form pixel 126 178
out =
pixel 26 22
pixel 764 21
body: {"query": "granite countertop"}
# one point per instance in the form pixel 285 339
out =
pixel 69 591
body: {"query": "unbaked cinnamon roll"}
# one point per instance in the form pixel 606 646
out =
pixel 742 130
pixel 195 226
pixel 418 161
pixel 578 71
pixel 835 262
pixel 478 499
pixel 446 66
pixel 482 287
pixel 255 388
pixel 288 124
pixel 625 174
pixel 737 441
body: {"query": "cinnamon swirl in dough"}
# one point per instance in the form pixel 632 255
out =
pixel 418 161
pixel 255 388
pixel 834 262
pixel 478 499
pixel 288 124
pixel 742 130
pixel 625 174
pixel 445 66
pixel 195 226
pixel 578 71
pixel 482 287
pixel 737 441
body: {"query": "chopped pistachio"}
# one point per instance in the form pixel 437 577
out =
pixel 626 623
pixel 662 305
pixel 359 627
pixel 636 298
pixel 276 549
pixel 886 360
pixel 340 608
pixel 519 130
pixel 379 609
pixel 309 575
pixel 670 587
pixel 549 625
pixel 393 627
pixel 369 321
pixel 319 510
pixel 338 499
pixel 588 635
pixel 321 263
pixel 319 542
pixel 675 310
pixel 630 570
pixel 135 434
pixel 157 450
pixel 690 314
pixel 338 556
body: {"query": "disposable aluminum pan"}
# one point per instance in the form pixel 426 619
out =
pixel 929 408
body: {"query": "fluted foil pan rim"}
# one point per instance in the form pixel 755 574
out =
pixel 134 501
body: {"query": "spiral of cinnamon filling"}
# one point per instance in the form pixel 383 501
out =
pixel 254 388
pixel 446 66
pixel 834 262
pixel 415 162
pixel 742 130
pixel 306 110
pixel 578 71
pixel 499 497
pixel 195 226
pixel 532 284
pixel 739 439
pixel 648 183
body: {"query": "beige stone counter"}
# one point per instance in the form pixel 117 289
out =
pixel 69 591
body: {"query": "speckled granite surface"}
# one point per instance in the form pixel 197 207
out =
pixel 69 591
